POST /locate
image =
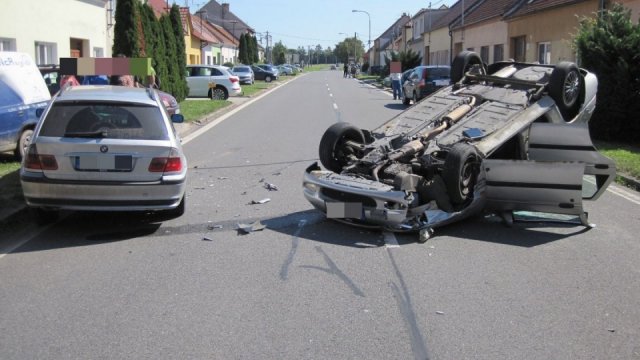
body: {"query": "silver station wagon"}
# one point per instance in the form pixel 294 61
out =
pixel 105 148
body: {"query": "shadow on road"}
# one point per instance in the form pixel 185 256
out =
pixel 396 106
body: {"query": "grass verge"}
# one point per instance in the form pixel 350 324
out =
pixel 626 157
pixel 193 110
pixel 249 90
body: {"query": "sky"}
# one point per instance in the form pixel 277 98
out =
pixel 313 22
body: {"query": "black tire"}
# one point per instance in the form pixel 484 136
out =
pixel 462 63
pixel 405 99
pixel 218 93
pixel 565 86
pixel 460 172
pixel 333 152
pixel 267 78
pixel 43 216
pixel 23 143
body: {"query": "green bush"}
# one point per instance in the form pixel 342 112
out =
pixel 609 46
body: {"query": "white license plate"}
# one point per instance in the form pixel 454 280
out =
pixel 342 210
pixel 104 162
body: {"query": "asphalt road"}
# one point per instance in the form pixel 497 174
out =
pixel 128 286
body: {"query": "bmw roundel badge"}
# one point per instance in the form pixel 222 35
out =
pixel 104 148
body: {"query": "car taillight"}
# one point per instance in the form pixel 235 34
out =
pixel 35 161
pixel 233 79
pixel 423 80
pixel 172 163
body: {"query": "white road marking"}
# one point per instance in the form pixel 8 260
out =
pixel 624 193
pixel 330 95
pixel 335 107
pixel 390 240
pixel 224 117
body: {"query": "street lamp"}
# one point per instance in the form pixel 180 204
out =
pixel 369 16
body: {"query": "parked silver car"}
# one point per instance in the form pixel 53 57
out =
pixel 245 74
pixel 105 148
pixel 504 138
pixel 212 81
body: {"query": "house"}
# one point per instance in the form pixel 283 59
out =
pixel 437 40
pixel 47 35
pixel 388 41
pixel 421 24
pixel 543 30
pixel 483 31
pixel 221 15
pixel 228 44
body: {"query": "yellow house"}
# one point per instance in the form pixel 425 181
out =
pixel 192 44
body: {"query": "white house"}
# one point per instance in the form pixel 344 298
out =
pixel 48 30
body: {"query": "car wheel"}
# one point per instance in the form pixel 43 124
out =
pixel 334 151
pixel 44 216
pixel 267 78
pixel 218 93
pixel 463 62
pixel 23 144
pixel 565 86
pixel 460 172
pixel 405 99
pixel 415 97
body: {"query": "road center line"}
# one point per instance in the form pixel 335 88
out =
pixel 335 107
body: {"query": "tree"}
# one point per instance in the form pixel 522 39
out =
pixel 409 59
pixel 180 60
pixel 249 41
pixel 243 55
pixel 125 32
pixel 609 46
pixel 347 48
pixel 278 48
pixel 173 69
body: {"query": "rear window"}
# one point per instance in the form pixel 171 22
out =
pixel 105 120
pixel 439 72
pixel 241 69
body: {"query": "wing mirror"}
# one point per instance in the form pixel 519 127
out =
pixel 177 118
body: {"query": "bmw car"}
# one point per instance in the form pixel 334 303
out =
pixel 502 138
pixel 105 148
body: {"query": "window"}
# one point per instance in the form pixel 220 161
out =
pixel 544 53
pixel 518 48
pixel 46 53
pixel 498 53
pixel 98 52
pixel 7 44
pixel 471 49
pixel 484 54
pixel 208 60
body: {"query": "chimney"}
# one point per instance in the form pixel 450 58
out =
pixel 225 7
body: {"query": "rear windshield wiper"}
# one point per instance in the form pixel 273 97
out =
pixel 87 134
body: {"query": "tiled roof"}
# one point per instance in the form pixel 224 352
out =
pixel 455 11
pixel 526 7
pixel 223 34
pixel 202 31
pixel 487 9
pixel 184 17
pixel 217 14
pixel 159 7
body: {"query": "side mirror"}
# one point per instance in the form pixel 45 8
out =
pixel 177 118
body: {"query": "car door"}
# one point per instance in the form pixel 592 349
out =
pixel 198 80
pixel 562 169
pixel 410 85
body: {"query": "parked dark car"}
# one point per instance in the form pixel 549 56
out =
pixel 269 67
pixel 262 74
pixel 424 80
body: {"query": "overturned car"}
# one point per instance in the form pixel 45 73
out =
pixel 502 138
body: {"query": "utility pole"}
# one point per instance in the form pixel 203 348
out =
pixel 268 55
pixel 355 49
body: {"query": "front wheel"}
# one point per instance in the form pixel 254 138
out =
pixel 405 99
pixel 464 62
pixel 268 78
pixel 334 149
pixel 460 172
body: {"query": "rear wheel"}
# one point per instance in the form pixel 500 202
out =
pixel 464 62
pixel 415 97
pixel 267 78
pixel 23 143
pixel 218 93
pixel 334 151
pixel 405 99
pixel 564 87
pixel 460 172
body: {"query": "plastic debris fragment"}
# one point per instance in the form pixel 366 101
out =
pixel 249 228
pixel 263 201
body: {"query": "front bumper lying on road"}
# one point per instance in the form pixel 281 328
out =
pixel 362 201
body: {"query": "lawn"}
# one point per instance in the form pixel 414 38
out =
pixel 249 90
pixel 193 110
pixel 8 164
pixel 627 157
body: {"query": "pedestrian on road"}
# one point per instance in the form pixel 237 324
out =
pixel 396 85
pixel 346 70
